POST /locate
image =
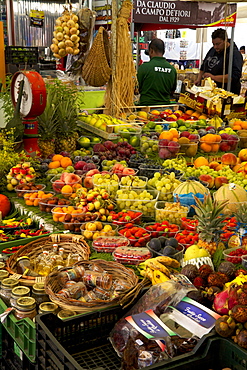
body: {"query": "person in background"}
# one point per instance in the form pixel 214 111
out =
pixel 242 49
pixel 157 79
pixel 213 64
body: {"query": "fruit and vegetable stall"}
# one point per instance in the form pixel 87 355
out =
pixel 146 220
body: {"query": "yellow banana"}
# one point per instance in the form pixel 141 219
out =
pixel 167 261
pixel 156 265
pixel 159 277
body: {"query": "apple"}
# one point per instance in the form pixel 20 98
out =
pixel 213 165
pixel 194 251
pixel 219 181
pixel 208 179
pixel 185 134
pixel 80 165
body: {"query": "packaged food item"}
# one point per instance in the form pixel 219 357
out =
pixel 131 255
pixel 3 274
pixel 24 267
pixel 107 244
pixel 39 294
pixel 93 278
pixel 75 291
pixel 102 293
pixel 6 289
pixel 75 273
pixel 18 292
pixel 65 314
pixel 25 307
pixel 48 307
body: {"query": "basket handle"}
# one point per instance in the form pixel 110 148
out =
pixel 55 238
pixel 76 238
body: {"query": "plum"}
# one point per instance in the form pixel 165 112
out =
pixel 164 153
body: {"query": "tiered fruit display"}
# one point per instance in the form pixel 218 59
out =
pixel 165 184
pixel 228 143
pixel 134 181
pixel 210 143
pixel 137 199
pixel 21 173
pixel 33 199
pixel 168 144
pixel 172 212
pixel 59 164
pixel 149 143
pixel 131 135
pixel 188 144
pixel 108 164
pixel 66 183
pixel 103 122
pixel 96 229
pixel 106 181
pixel 109 150
pixel 66 35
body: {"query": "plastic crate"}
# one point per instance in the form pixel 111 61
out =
pixel 12 356
pixel 218 353
pixel 77 343
pixel 21 55
pixel 22 331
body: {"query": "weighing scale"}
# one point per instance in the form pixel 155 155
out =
pixel 33 104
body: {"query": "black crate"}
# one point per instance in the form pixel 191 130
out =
pixel 12 357
pixel 77 343
pixel 21 55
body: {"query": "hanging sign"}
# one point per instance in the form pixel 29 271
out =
pixel 36 18
pixel 184 13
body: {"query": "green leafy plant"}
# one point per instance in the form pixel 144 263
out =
pixel 5 97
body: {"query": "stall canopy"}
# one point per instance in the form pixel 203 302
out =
pixel 156 15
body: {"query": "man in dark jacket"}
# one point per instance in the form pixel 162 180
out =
pixel 157 78
pixel 213 64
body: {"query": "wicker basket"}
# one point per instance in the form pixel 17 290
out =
pixel 118 271
pixel 70 242
pixel 96 70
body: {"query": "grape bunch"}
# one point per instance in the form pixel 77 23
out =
pixel 137 200
pixel 178 163
pixel 165 184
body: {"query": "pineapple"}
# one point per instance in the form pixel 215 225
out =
pixel 208 214
pixel 67 122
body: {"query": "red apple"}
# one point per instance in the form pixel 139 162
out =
pixel 208 179
pixel 185 134
pixel 219 181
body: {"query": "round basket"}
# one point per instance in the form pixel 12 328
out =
pixel 70 242
pixel 53 285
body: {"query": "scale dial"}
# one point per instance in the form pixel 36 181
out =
pixel 34 93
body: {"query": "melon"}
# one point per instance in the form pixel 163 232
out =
pixel 187 190
pixel 235 194
pixel 5 205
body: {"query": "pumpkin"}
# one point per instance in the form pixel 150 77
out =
pixel 186 191
pixel 235 194
pixel 5 205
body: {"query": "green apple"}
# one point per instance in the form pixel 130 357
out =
pixel 173 125
pixel 134 141
pixel 125 133
pixel 70 169
pixel 95 140
pixel 194 251
pixel 182 128
pixel 158 128
pixel 151 124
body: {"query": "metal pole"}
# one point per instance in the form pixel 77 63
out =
pixel 10 22
pixel 230 60
pixel 137 50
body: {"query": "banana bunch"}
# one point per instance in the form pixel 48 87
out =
pixel 216 121
pixel 158 269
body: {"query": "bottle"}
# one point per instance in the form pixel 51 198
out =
pixel 39 294
pixel 25 307
pixel 6 289
pixel 75 291
pixel 75 273
pixel 23 263
pixel 42 262
pixel 18 292
pixel 48 307
pixel 54 251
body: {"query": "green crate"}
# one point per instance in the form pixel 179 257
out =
pixel 22 331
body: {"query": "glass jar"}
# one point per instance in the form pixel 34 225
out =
pixel 65 314
pixel 75 273
pixel 75 291
pixel 18 292
pixel 3 274
pixel 23 263
pixel 6 288
pixel 48 307
pixel 25 307
pixel 39 294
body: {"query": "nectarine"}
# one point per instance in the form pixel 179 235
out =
pixel 213 165
pixel 243 155
pixel 208 179
pixel 219 181
pixel 229 158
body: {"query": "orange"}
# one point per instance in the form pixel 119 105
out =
pixel 66 189
pixel 215 148
pixel 166 135
pixel 217 138
pixel 237 128
pixel 174 132
pixel 196 114
pixel 26 195
pixel 57 157
pixel 33 196
pixel 65 162
pixel 200 161
pixel 36 202
pixel 244 125
pixel 76 187
pixel 206 147
pixel 55 218
pixel 189 112
pixel 28 202
pixel 54 164
pixel 61 218
pixel 202 116
pixel 209 138
pixel 238 123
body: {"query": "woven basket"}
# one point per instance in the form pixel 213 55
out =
pixel 70 242
pixel 96 70
pixel 53 285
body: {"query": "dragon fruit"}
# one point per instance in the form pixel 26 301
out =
pixel 226 300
